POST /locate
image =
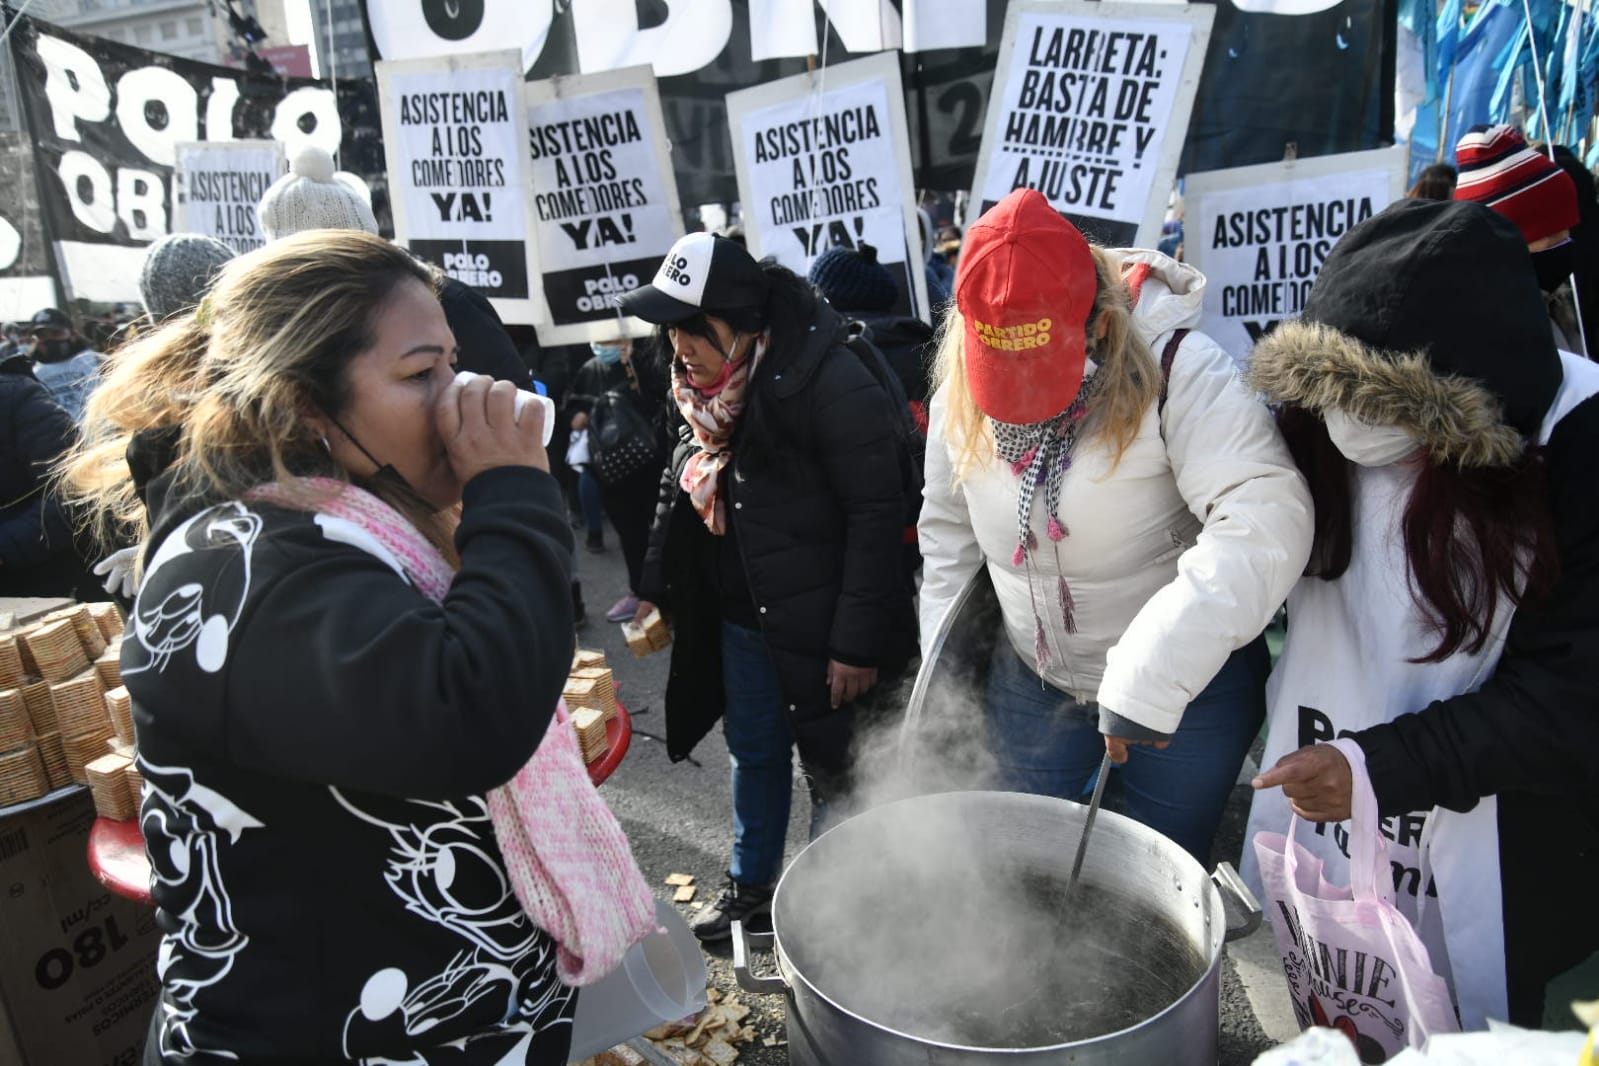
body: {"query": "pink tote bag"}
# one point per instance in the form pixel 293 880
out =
pixel 1352 960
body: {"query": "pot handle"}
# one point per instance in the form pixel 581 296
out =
pixel 743 940
pixel 1236 899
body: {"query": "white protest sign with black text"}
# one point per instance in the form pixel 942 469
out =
pixel 218 185
pixel 604 199
pixel 824 159
pixel 456 141
pixel 1090 106
pixel 1260 234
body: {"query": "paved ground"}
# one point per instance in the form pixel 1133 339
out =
pixel 679 820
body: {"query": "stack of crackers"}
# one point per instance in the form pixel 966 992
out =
pixel 590 726
pixel 108 667
pixel 590 697
pixel 22 772
pixel 108 783
pixel 587 659
pixel 649 637
pixel 55 716
pixel 592 687
pixel 119 706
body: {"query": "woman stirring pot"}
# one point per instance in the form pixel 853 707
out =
pixel 1140 527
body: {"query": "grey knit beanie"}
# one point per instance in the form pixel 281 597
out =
pixel 178 270
pixel 312 196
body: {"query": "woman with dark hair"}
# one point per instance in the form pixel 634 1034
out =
pixel 778 545
pixel 1436 182
pixel 352 631
pixel 1449 619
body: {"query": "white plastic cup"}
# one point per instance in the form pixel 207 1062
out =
pixel 522 398
pixel 661 979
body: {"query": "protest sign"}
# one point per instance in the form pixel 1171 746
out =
pixel 106 121
pixel 1335 96
pixel 218 186
pixel 823 159
pixel 604 199
pixel 1089 107
pixel 455 137
pixel 1260 234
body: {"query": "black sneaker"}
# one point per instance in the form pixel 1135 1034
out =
pixel 750 904
pixel 596 545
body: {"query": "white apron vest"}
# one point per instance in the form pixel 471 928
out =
pixel 1345 667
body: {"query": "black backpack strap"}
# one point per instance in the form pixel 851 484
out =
pixel 858 340
pixel 1168 357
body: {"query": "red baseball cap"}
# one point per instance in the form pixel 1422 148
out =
pixel 1025 285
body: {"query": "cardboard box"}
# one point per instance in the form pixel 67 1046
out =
pixel 77 964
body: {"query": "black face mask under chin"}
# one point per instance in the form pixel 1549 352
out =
pixel 385 474
pixel 54 351
pixel 1554 265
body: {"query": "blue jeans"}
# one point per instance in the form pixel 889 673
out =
pixel 1047 743
pixel 590 496
pixel 760 747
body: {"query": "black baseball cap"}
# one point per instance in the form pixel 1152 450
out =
pixel 50 318
pixel 702 274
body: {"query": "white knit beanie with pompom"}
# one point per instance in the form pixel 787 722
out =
pixel 312 196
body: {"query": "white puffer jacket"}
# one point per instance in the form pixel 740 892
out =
pixel 1177 556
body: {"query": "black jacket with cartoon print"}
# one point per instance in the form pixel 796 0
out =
pixel 315 736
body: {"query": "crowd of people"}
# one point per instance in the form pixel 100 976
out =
pixel 282 462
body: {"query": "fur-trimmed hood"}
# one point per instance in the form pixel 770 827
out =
pixel 1427 316
pixel 1319 368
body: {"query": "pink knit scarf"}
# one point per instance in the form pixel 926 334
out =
pixel 567 856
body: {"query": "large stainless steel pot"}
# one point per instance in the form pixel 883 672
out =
pixel 1126 861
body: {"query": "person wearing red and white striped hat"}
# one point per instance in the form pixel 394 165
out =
pixel 1499 169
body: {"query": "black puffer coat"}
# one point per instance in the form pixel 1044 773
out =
pixel 821 532
pixel 36 549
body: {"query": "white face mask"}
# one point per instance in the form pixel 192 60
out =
pixel 1366 444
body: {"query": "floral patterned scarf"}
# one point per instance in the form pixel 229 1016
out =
pixel 712 418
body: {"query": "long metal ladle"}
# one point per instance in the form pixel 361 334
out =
pixel 1088 825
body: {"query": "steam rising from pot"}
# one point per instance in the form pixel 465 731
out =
pixel 937 921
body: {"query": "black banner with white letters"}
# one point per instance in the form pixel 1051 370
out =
pixel 106 122
pixel 25 282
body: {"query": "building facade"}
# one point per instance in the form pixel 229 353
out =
pixel 344 54
pixel 348 57
pixel 191 29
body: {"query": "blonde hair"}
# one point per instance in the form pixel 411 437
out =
pixel 272 342
pixel 1132 377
